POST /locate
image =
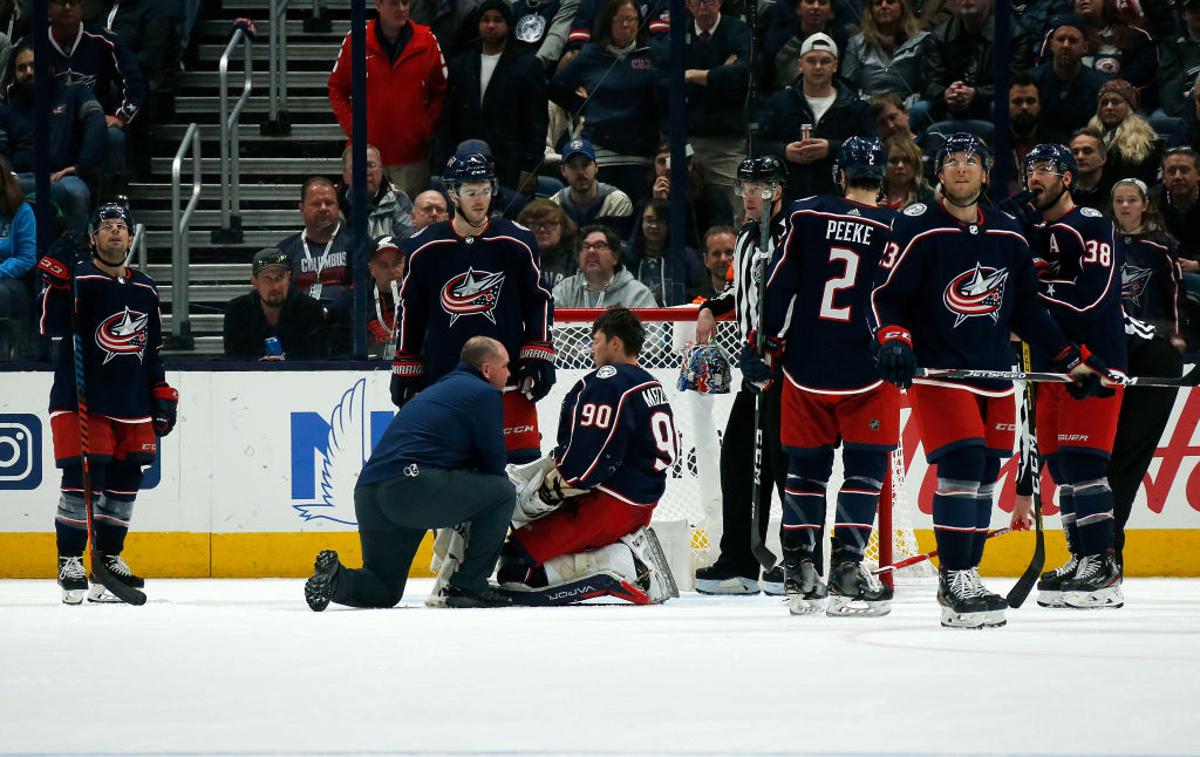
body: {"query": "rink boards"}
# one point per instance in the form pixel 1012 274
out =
pixel 259 475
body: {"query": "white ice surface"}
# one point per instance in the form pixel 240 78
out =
pixel 244 667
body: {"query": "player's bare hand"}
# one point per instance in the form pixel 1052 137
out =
pixel 706 325
pixel 1022 513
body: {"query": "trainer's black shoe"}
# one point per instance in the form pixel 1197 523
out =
pixel 458 596
pixel 320 588
pixel 772 582
pixel 720 579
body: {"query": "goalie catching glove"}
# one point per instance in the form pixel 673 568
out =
pixel 540 489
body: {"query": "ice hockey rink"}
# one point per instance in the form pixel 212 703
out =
pixel 244 667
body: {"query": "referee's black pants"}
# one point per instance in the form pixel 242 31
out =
pixel 393 516
pixel 737 475
pixel 1144 415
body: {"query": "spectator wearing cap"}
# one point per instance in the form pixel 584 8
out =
pixel 273 308
pixel 390 210
pixel 807 122
pixel 386 266
pixel 497 93
pixel 1180 64
pixel 1132 146
pixel 957 68
pixel 406 87
pixel 556 235
pixel 319 254
pixel 707 204
pixel 885 56
pixel 717 75
pixel 620 92
pixel 1066 88
pixel 601 280
pixel 586 200
pixel 429 207
pixel 789 23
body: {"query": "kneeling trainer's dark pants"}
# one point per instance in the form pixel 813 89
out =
pixel 393 516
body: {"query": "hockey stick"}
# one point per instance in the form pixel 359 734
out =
pixel 915 559
pixel 765 556
pixel 126 594
pixel 1020 590
pixel 1191 378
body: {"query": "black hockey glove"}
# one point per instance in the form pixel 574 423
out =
pixel 1020 206
pixel 755 372
pixel 408 378
pixel 1077 361
pixel 535 370
pixel 55 267
pixel 894 356
pixel 166 403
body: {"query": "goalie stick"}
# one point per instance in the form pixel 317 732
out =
pixel 1020 590
pixel 100 571
pixel 1191 378
pixel 916 559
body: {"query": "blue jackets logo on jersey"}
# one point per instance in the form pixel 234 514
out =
pixel 472 293
pixel 123 333
pixel 1133 282
pixel 979 291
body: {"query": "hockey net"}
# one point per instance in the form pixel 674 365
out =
pixel 693 495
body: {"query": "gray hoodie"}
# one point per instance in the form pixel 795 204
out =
pixel 624 290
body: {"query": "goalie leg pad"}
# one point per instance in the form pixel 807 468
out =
pixel 615 558
pixel 455 543
pixel 577 590
pixel 654 571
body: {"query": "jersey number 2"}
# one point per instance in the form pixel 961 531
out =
pixel 836 284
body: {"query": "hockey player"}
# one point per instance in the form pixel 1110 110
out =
pixel 814 318
pixel 1079 271
pixel 583 511
pixel 953 282
pixel 736 570
pixel 129 403
pixel 475 275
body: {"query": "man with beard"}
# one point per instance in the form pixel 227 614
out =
pixel 77 140
pixel 318 254
pixel 953 283
pixel 1068 89
pixel 273 309
pixel 1024 107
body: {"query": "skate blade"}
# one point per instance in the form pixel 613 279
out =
pixel 73 596
pixel 846 607
pixel 952 619
pixel 730 586
pixel 798 605
pixel 994 619
pixel 101 595
pixel 1050 599
pixel 1110 598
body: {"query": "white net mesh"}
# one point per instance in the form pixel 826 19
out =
pixel 693 493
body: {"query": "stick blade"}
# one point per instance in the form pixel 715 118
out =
pixel 1020 590
pixel 126 594
pixel 766 558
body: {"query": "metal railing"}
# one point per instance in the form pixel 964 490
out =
pixel 231 220
pixel 318 21
pixel 278 123
pixel 181 222
pixel 139 245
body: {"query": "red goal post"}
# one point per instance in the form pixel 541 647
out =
pixel 692 500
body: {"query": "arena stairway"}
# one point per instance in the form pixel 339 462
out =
pixel 272 167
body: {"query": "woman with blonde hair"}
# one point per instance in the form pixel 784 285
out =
pixel 1133 148
pixel 885 56
pixel 904 183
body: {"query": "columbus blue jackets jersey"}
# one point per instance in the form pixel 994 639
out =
pixel 322 271
pixel 456 287
pixel 121 332
pixel 959 289
pixel 1081 285
pixel 1151 282
pixel 616 433
pixel 818 292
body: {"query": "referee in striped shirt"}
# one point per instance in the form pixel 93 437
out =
pixel 736 571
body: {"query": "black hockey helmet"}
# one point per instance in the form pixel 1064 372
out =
pixel 964 142
pixel 1060 157
pixel 861 158
pixel 466 168
pixel 765 169
pixel 110 211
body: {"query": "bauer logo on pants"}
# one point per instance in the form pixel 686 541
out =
pixel 20 451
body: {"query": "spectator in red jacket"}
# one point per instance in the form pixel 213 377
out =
pixel 406 84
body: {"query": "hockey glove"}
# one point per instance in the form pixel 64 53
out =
pixel 894 356
pixel 1087 370
pixel 758 370
pixel 55 267
pixel 166 403
pixel 408 378
pixel 554 489
pixel 535 370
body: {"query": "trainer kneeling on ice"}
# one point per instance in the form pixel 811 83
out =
pixel 440 463
pixel 581 526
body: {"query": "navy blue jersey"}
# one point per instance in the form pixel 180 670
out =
pixel 960 289
pixel 1081 285
pixel 616 433
pixel 456 287
pixel 1151 282
pixel 322 271
pixel 819 289
pixel 122 334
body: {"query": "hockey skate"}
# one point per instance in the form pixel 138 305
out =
pixel 718 579
pixel 1050 583
pixel 853 590
pixel 321 586
pixel 806 594
pixel 120 571
pixel 1096 584
pixel 772 582
pixel 72 579
pixel 996 604
pixel 961 599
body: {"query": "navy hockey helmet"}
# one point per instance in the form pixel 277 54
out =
pixel 861 158
pixel 110 211
pixel 705 370
pixel 468 168
pixel 965 142
pixel 1057 155
pixel 765 169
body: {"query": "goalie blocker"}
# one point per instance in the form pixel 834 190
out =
pixel 580 522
